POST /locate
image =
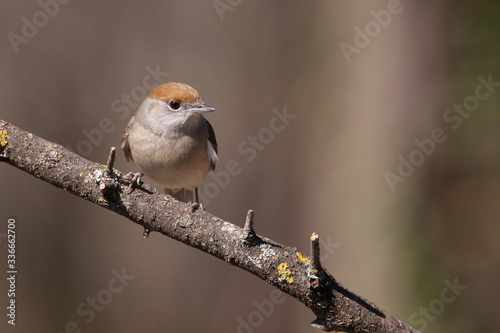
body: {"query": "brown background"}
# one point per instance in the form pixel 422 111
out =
pixel 324 172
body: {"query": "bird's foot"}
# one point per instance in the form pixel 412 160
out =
pixel 195 206
pixel 135 180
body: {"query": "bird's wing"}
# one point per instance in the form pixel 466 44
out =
pixel 212 147
pixel 124 144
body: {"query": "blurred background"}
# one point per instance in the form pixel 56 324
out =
pixel 331 110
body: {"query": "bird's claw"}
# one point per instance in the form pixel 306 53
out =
pixel 135 180
pixel 195 206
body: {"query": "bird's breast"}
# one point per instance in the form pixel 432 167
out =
pixel 174 159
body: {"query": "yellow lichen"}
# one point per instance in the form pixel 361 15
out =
pixel 303 258
pixel 3 138
pixel 285 273
pixel 100 198
pixel 81 174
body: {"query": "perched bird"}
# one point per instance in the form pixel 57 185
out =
pixel 169 139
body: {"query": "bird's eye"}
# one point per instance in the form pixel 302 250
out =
pixel 174 105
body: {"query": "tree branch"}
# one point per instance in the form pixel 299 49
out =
pixel 336 308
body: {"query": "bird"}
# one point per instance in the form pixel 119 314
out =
pixel 170 141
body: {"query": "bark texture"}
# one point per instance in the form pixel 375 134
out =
pixel 336 308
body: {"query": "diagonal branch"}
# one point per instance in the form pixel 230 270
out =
pixel 336 308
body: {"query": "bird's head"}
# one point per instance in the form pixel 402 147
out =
pixel 176 99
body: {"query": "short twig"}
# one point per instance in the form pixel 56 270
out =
pixel 315 269
pixel 111 161
pixel 315 261
pixel 248 231
pixel 249 222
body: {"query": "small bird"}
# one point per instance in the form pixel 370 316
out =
pixel 169 139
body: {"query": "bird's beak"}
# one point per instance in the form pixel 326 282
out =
pixel 203 108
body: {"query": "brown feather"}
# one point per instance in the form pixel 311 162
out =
pixel 179 92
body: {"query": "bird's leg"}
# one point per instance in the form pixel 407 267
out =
pixel 196 199
pixel 196 204
pixel 136 180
